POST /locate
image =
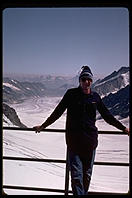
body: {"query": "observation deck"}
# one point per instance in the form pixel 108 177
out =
pixel 66 190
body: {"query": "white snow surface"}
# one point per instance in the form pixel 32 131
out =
pixel 126 78
pixel 111 148
pixel 11 86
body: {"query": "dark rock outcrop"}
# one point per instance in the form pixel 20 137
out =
pixel 11 114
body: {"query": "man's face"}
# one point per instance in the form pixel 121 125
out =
pixel 85 83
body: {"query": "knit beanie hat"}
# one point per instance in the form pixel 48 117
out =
pixel 85 71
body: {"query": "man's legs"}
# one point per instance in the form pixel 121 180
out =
pixel 87 170
pixel 76 168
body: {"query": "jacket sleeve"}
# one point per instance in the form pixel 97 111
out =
pixel 107 116
pixel 58 111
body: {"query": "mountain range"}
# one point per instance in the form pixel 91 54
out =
pixel 114 89
pixel 113 82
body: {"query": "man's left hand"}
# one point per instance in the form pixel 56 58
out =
pixel 127 131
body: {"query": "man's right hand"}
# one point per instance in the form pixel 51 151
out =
pixel 38 129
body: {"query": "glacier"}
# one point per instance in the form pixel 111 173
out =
pixel 113 148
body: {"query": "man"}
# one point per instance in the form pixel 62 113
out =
pixel 81 133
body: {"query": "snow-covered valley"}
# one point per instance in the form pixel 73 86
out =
pixel 32 112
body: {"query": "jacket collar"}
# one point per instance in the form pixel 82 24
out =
pixel 81 91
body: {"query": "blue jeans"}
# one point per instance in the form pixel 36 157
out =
pixel 81 171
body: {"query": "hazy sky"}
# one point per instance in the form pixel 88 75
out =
pixel 61 40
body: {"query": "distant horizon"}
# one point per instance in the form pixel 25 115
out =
pixel 44 74
pixel 14 74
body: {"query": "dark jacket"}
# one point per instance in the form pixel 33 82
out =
pixel 81 132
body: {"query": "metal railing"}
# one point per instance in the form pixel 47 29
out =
pixel 66 190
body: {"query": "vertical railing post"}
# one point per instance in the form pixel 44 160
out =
pixel 66 175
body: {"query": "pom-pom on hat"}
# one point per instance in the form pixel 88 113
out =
pixel 86 72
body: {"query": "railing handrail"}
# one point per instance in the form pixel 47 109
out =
pixel 60 161
pixel 62 130
pixel 58 190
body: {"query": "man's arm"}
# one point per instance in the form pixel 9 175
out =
pixel 109 118
pixel 61 107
